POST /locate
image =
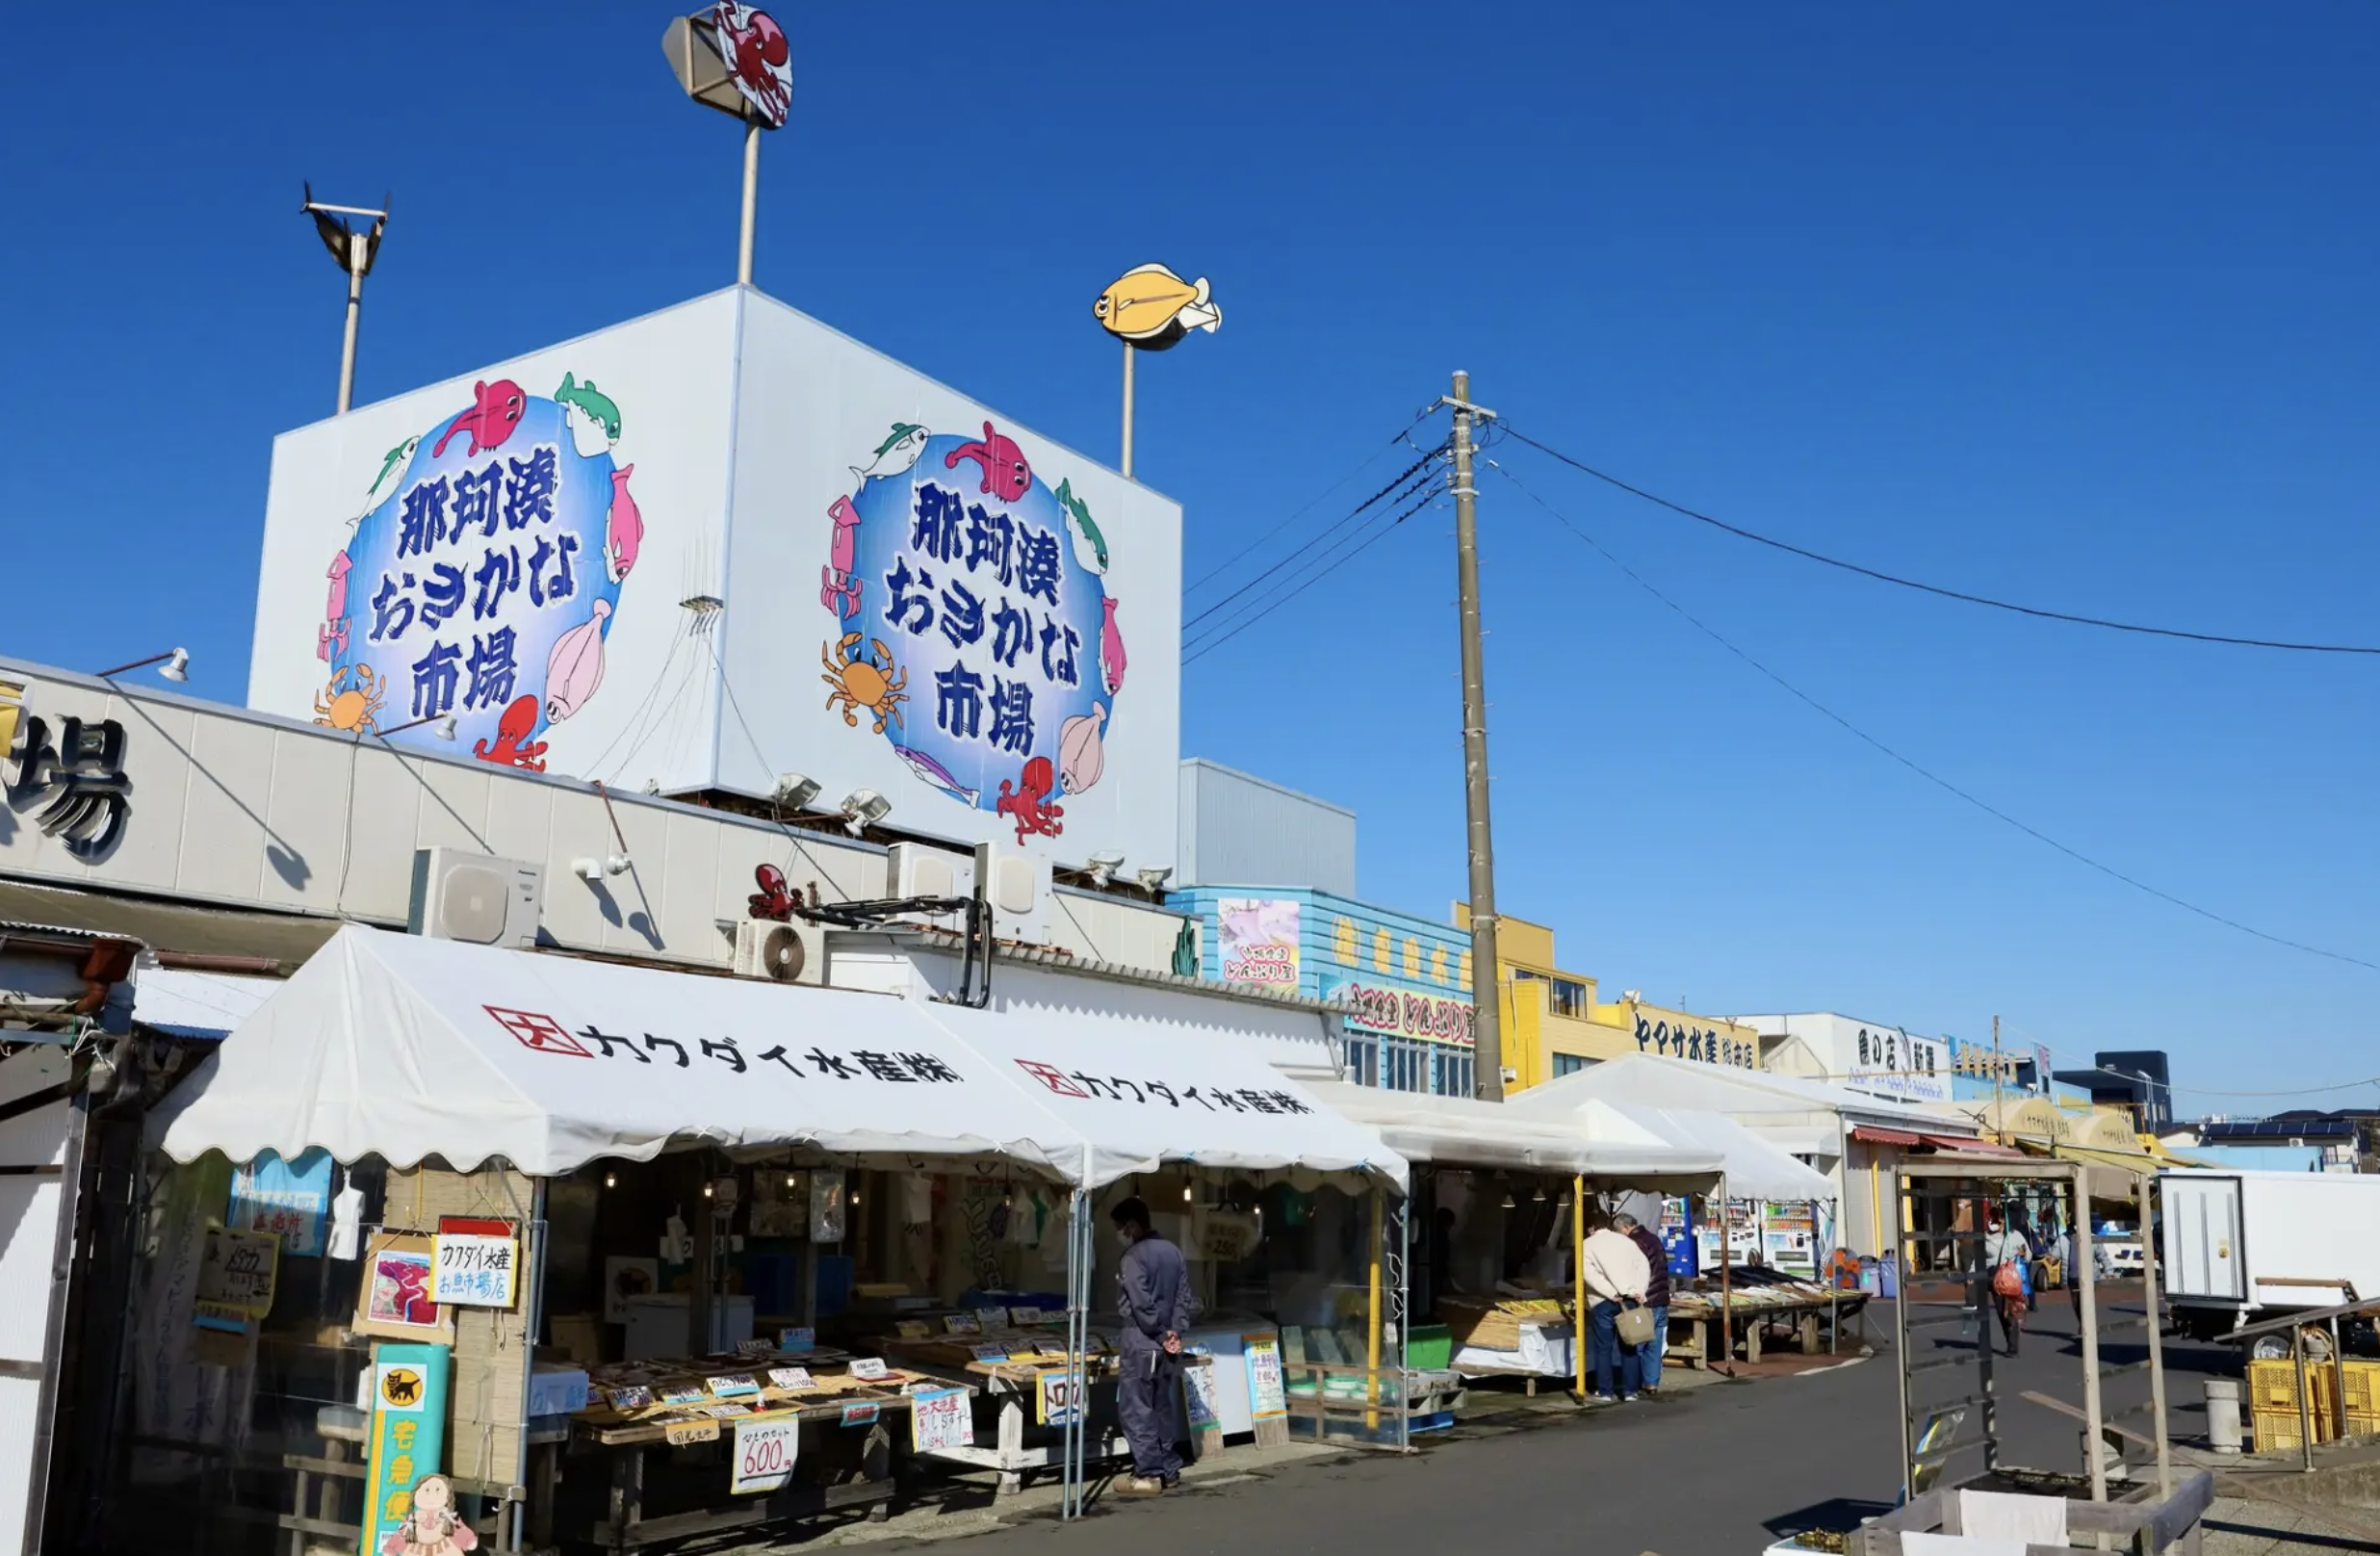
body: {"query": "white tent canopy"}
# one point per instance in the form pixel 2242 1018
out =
pixel 1596 1140
pixel 1147 1090
pixel 1755 1168
pixel 1656 1080
pixel 405 1048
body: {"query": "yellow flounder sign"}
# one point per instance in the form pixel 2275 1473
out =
pixel 1152 308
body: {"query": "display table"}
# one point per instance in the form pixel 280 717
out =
pixel 1814 1316
pixel 1529 1338
pixel 845 1451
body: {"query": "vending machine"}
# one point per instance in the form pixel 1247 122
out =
pixel 1789 1237
pixel 1678 1237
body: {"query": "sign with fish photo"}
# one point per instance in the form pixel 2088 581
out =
pixel 927 599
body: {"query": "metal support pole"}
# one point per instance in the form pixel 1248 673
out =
pixel 1128 354
pixel 2305 1395
pixel 1726 1279
pixel 358 255
pixel 1487 1009
pixel 751 200
pixel 1371 1376
pixel 2157 1342
pixel 2084 1257
pixel 1578 1281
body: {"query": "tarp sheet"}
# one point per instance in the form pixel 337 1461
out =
pixel 1146 1089
pixel 1597 1139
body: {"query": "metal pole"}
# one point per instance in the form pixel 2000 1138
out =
pixel 1726 1279
pixel 1901 1339
pixel 1128 410
pixel 1486 1012
pixel 2000 1117
pixel 2156 1342
pixel 1578 1281
pixel 2083 1256
pixel 358 252
pixel 2305 1395
pixel 1371 1376
pixel 751 200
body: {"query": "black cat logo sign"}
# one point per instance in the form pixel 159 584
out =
pixel 400 1386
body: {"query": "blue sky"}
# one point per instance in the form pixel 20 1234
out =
pixel 2069 306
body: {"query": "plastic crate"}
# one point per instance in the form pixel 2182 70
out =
pixel 2280 1430
pixel 1428 1347
pixel 2272 1385
pixel 2363 1388
pixel 2363 1424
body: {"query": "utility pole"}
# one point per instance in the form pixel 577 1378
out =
pixel 1486 986
pixel 751 201
pixel 2000 1117
pixel 354 249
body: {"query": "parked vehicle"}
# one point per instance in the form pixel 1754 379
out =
pixel 2241 1247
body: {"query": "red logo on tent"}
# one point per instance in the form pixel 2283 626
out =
pixel 542 1033
pixel 1049 1076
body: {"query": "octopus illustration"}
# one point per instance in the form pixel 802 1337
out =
pixel 775 899
pixel 860 680
pixel 1005 473
pixel 351 701
pixel 1027 801
pixel 494 411
pixel 757 51
pixel 514 748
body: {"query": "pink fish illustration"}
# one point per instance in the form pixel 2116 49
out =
pixel 624 532
pixel 839 587
pixel 1111 650
pixel 1005 473
pixel 334 628
pixel 490 421
pixel 576 666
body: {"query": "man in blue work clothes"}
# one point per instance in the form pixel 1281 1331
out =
pixel 1153 1301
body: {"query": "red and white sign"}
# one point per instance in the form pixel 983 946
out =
pixel 759 59
pixel 1402 1012
pixel 542 1033
pixel 766 1448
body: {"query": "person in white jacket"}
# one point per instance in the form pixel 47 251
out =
pixel 1616 1275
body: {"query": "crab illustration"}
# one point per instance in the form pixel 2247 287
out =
pixel 869 681
pixel 349 707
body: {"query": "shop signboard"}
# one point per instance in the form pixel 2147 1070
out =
pixel 1256 940
pixel 539 551
pixel 941 1419
pixel 239 1271
pixel 1057 1397
pixel 1880 1060
pixel 474 1264
pixel 767 1449
pixel 289 1200
pixel 1369 1005
pixel 1268 1393
pixel 407 1441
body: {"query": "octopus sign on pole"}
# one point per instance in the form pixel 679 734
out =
pixel 734 58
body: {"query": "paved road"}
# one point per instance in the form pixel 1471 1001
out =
pixel 1720 1471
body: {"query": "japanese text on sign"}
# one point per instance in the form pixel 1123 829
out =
pixel 1699 1044
pixel 1404 1013
pixel 473 1270
pixel 1150 1093
pixel 766 1447
pixel 545 1034
pixel 1268 1396
pixel 940 1419
pixel 239 1270
pixel 78 781
pixel 1057 1397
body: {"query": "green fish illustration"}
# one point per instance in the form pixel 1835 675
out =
pixel 896 453
pixel 1090 546
pixel 395 456
pixel 597 406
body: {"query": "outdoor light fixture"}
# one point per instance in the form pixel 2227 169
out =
pixel 354 250
pixel 1539 1197
pixel 1104 867
pixel 1153 878
pixel 612 1181
pixel 616 864
pixel 1186 1192
pixel 442 725
pixel 1509 1205
pixel 795 791
pixel 173 667
pixel 862 809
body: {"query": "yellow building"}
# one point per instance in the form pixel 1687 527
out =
pixel 1555 1020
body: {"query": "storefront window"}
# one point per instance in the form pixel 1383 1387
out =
pixel 1570 1064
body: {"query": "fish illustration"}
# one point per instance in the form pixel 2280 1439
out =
pixel 576 666
pixel 392 465
pixel 334 628
pixel 897 453
pixel 1005 474
pixel 594 418
pixel 1111 650
pixel 1152 308
pixel 1082 750
pixel 624 530
pixel 838 587
pixel 935 773
pixel 1090 546
pixel 490 421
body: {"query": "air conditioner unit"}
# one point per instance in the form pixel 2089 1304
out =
pixel 921 870
pixel 787 952
pixel 461 895
pixel 1018 887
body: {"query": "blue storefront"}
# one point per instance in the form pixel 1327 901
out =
pixel 1403 981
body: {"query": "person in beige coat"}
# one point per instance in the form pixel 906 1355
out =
pixel 1616 1275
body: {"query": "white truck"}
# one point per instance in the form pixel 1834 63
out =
pixel 2241 1246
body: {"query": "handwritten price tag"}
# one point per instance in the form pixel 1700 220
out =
pixel 766 1447
pixel 870 1369
pixel 677 1434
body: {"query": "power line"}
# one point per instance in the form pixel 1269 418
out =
pixel 1216 640
pixel 1939 782
pixel 1403 477
pixel 1896 580
pixel 1403 436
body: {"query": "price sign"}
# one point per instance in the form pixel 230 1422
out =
pixel 991 1353
pixel 239 1269
pixel 992 1318
pixel 677 1434
pixel 733 1386
pixel 960 1323
pixel 766 1447
pixel 1268 1396
pixel 1024 1316
pixel 870 1369
pixel 791 1378
pixel 862 1414
pixel 941 1418
pixel 1057 1398
pixel 803 1339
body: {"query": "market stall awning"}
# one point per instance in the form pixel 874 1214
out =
pixel 189 1003
pixel 1144 1091
pixel 1755 1168
pixel 1969 1145
pixel 1875 1135
pixel 1598 1140
pixel 1657 1080
pixel 406 1047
